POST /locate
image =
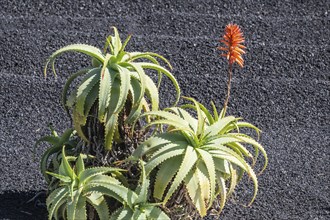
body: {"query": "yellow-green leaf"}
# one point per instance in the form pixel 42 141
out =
pixel 110 128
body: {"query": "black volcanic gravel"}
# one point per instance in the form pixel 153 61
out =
pixel 284 87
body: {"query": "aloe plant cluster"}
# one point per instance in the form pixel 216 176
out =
pixel 125 158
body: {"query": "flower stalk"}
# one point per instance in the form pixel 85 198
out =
pixel 230 74
pixel 233 39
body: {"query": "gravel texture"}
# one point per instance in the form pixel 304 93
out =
pixel 283 89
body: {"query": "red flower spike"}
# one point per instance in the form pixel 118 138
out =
pixel 233 39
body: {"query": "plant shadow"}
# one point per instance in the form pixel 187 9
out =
pixel 23 205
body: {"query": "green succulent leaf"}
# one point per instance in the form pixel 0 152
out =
pixel 96 63
pixel 63 178
pixel 215 111
pixel 218 127
pixel 67 168
pixel 50 139
pixel 91 79
pixel 114 97
pixel 155 161
pixel 76 209
pixel 257 147
pixel 81 212
pixel 165 174
pixel 222 165
pixel 236 159
pixel 167 73
pixel 90 100
pixel 60 211
pixel 81 48
pixel 222 113
pixel 124 88
pixel 99 203
pixel 135 113
pixel 151 57
pixel 189 160
pixel 152 92
pixel 204 184
pixel 122 214
pixel 138 215
pixel 115 214
pixel 135 91
pixel 169 118
pixel 241 124
pixel 167 148
pixel 195 191
pixel 110 129
pixel 122 52
pixel 143 192
pixel 104 179
pixel 80 166
pixel 146 55
pixel 233 180
pixel 120 193
pixel 54 200
pixel 108 44
pixel 237 147
pixel 156 142
pixel 141 77
pixel 77 120
pixel 105 89
pixel 222 192
pixel 153 212
pixel 116 42
pixel 95 171
pixel 209 163
pixel 67 85
pixel 200 118
pixel 186 116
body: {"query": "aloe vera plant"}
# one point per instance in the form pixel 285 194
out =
pixel 201 153
pixel 79 186
pixel 186 150
pixel 115 78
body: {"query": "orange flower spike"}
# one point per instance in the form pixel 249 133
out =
pixel 233 39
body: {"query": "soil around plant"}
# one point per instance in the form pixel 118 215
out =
pixel 283 88
pixel 18 205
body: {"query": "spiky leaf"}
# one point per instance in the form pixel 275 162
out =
pixel 105 89
pixel 99 203
pixel 165 174
pixel 81 48
pixel 110 129
pixel 188 162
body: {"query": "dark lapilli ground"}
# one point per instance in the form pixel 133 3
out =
pixel 283 89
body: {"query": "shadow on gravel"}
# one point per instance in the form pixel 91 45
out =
pixel 22 205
